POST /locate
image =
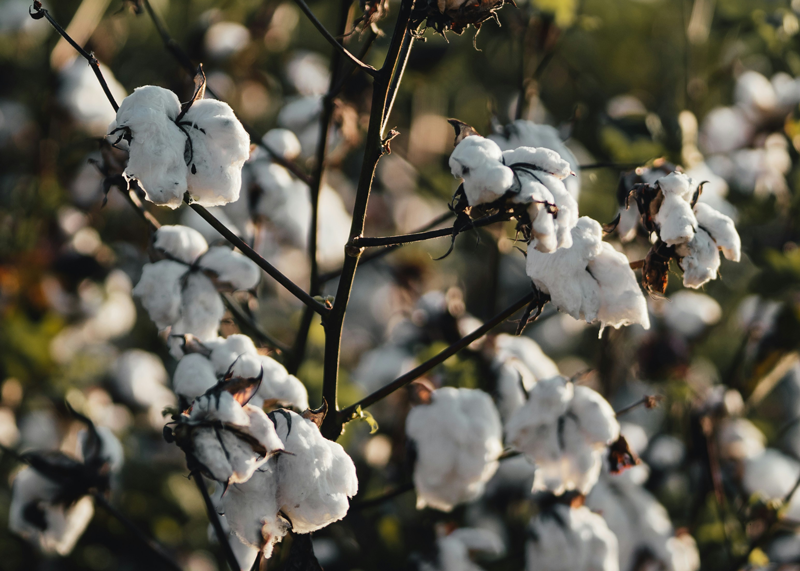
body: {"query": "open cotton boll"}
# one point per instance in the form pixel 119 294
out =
pixel 225 351
pixel 512 380
pixel 193 376
pixel 83 96
pixel 231 267
pixel 283 142
pixel 621 300
pixel 755 94
pixel 201 309
pixel 278 385
pixel 725 129
pixel 738 439
pixel 315 479
pixel 159 290
pixel 251 509
pixel 53 528
pixel 565 539
pixel 675 218
pixel 479 162
pixel 699 260
pixel 309 73
pixel 457 438
pixel 721 229
pixel 219 148
pixel 541 159
pixel 180 242
pixel 156 149
pixel 301 116
pixel 563 430
pixel 528 351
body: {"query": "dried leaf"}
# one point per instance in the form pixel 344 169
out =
pixel 621 457
pixel 318 415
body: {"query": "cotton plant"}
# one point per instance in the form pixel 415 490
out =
pixel 457 437
pixel 198 148
pixel 590 280
pixel 527 178
pixel 51 502
pixel 224 436
pixel 564 430
pixel 453 549
pixel 304 490
pixel 237 355
pixel 180 291
pixel 563 538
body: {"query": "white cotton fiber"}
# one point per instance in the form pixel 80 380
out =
pixel 700 260
pixel 479 162
pixel 159 290
pixel 193 376
pixel 231 267
pixel 721 229
pixel 675 218
pixel 201 308
pixel 282 142
pixel 180 242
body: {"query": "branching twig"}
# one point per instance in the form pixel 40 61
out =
pixel 39 12
pixel 408 41
pixel 152 544
pixel 417 372
pixel 246 322
pixel 273 272
pixel 213 516
pixel 333 41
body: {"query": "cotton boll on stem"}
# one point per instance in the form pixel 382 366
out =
pixel 219 148
pixel 479 162
pixel 180 242
pixel 699 260
pixel 721 229
pixel 231 268
pixel 193 376
pixel 283 142
pixel 622 302
pixel 159 290
pixel 675 218
pixel 201 308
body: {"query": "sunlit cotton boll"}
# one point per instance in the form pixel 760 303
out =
pixel 283 142
pixel 457 438
pixel 739 439
pixel 454 549
pixel 773 475
pixel 689 313
pixel 315 478
pixel 82 95
pixel 564 430
pixel 566 539
pixel 479 162
pixel 700 257
pixel 590 280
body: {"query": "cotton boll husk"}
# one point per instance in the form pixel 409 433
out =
pixel 621 300
pixel 479 162
pixel 155 154
pixel 563 273
pixel 689 313
pixel 316 479
pixel 528 351
pixel 739 438
pixel 458 440
pixel 251 509
pixel 725 129
pixel 231 267
pixel 772 474
pixel 193 376
pixel 220 147
pixel 571 540
pixel 201 308
pixel 64 526
pixel 159 290
pixel 700 260
pixel 180 242
pixel 283 142
pixel 675 218
pixel 721 229
pixel 83 96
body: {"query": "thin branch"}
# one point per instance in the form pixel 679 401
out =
pixel 350 69
pixel 247 323
pixel 417 372
pixel 273 272
pixel 369 257
pixel 333 41
pixel 408 40
pixel 152 544
pixel 649 401
pixel 609 165
pixel 184 60
pixel 129 194
pixel 39 12
pixel 369 242
pixel 213 517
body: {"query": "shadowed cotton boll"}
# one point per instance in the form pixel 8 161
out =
pixel 457 438
pixel 316 479
pixel 139 378
pixel 725 129
pixel 772 474
pixel 81 94
pixel 564 430
pixel 193 376
pixel 590 280
pixel 524 133
pixel 700 256
pixel 219 148
pixel 528 351
pixel 454 549
pixel 739 439
pixel 479 162
pixel 300 115
pixel 566 539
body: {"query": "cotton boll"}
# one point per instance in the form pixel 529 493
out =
pixel 700 260
pixel 542 159
pixel 564 539
pixel 755 94
pixel 283 142
pixel 219 148
pixel 543 228
pixel 725 129
pixel 201 308
pixel 458 440
pixel 454 549
pixel 159 290
pixel 512 378
pixel 83 96
pixel 738 439
pixel 231 268
pixel 528 351
pixel 140 378
pixel 225 39
pixel 193 376
pixel 156 149
pixel 278 385
pixel 334 230
pixel 301 115
pixel 689 313
pixel 33 494
pixel 180 242
pixel 251 509
pixel 721 229
pixel 225 351
pixel 479 162
pixel 309 73
pixel 675 219
pixel 622 302
pixel 316 479
pixel 110 448
pixel 773 475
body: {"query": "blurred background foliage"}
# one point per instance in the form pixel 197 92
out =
pixel 64 255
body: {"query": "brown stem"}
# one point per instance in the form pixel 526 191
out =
pixel 331 427
pixel 417 372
